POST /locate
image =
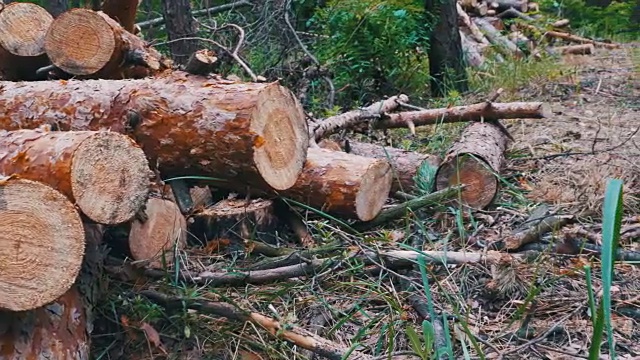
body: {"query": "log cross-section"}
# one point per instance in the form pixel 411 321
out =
pixel 246 133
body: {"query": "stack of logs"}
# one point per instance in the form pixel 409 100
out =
pixel 87 133
pixel 484 33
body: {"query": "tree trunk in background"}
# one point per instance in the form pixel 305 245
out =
pixel 56 7
pixel 446 64
pixel 179 23
pixel 635 16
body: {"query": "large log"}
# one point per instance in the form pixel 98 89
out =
pixel 164 230
pixel 475 161
pixel 349 185
pixel 123 11
pixel 62 328
pixel 104 173
pixel 404 163
pixel 41 244
pixel 23 27
pixel 496 38
pixel 108 51
pixel 251 133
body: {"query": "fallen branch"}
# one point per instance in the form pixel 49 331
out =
pixel 535 230
pixel 209 11
pixel 291 333
pixel 578 39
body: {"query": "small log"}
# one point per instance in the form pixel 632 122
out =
pixel 42 242
pixel 475 112
pixel 122 11
pixel 23 27
pixel 107 51
pixel 580 40
pixel 474 161
pixel 404 163
pixel 512 13
pixel 201 62
pixel 163 230
pixel 246 133
pixel 520 5
pixel 476 34
pixel 60 329
pixel 104 173
pixel 561 23
pixel 580 49
pixel 491 12
pixel 473 6
pixel 494 36
pixel 235 219
pixel 348 185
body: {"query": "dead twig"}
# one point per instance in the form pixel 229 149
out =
pixel 209 11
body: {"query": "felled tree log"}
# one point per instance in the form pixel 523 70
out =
pixel 235 219
pixel 578 39
pixel 163 230
pixel 108 51
pixel 475 7
pixel 62 328
pixel 472 55
pixel 104 173
pixel 344 184
pixel 494 36
pixel 123 11
pixel 23 27
pixel 475 112
pixel 520 5
pixel 511 13
pixel 580 49
pixel 404 164
pixel 561 23
pixel 201 62
pixel 473 28
pixel 42 242
pixel 474 161
pixel 251 133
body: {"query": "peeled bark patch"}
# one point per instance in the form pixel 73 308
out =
pixel 474 161
pixel 23 27
pixel 164 229
pixel 41 244
pixel 105 173
pixel 349 185
pixel 253 133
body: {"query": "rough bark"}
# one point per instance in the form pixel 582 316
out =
pixel 475 112
pixel 580 40
pixel 162 232
pixel 180 23
pixel 499 40
pixel 446 60
pixel 123 11
pixel 42 244
pixel 404 164
pixel 62 328
pixel 474 161
pixel 201 62
pixel 235 219
pixel 580 49
pixel 104 173
pixel 252 133
pixel 471 51
pixel 107 51
pixel 23 27
pixel 348 185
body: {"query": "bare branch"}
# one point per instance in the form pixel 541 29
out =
pixel 209 11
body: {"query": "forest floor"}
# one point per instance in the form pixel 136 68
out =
pixel 536 307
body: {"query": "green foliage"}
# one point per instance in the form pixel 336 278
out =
pixel 372 47
pixel 613 19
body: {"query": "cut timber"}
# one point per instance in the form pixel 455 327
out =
pixel 188 125
pixel 474 161
pixel 61 329
pixel 475 112
pixel 473 28
pixel 520 5
pixel 201 62
pixel 580 49
pixel 405 164
pixel 349 185
pixel 89 43
pixel 123 11
pixel 104 173
pixel 41 244
pixel 561 23
pixel 494 36
pixel 471 51
pixel 23 27
pixel 163 230
pixel 235 219
pixel 578 39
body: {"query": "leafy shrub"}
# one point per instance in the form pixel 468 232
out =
pixel 613 19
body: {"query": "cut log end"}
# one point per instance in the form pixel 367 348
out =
pixel 110 177
pixel 201 62
pixel 164 229
pixel 91 54
pixel 283 139
pixel 481 185
pixel 23 27
pixel 374 190
pixel 41 244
